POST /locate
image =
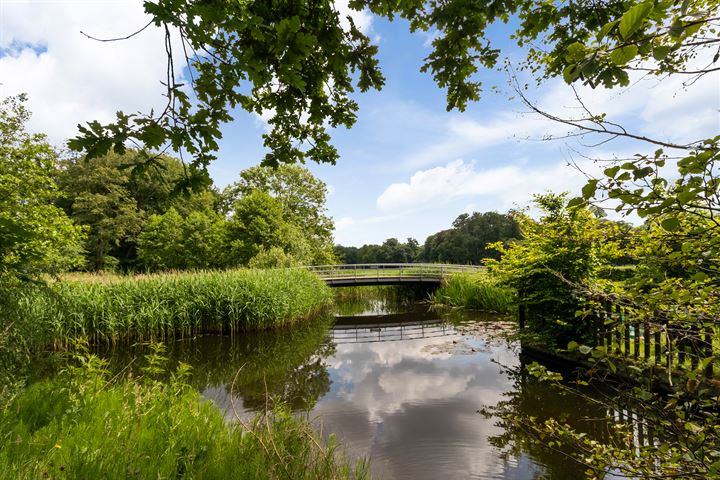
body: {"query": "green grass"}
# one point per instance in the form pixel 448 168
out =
pixel 476 292
pixel 82 424
pixel 110 309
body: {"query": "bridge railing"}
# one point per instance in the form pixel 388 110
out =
pixel 377 270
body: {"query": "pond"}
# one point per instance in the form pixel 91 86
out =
pixel 395 382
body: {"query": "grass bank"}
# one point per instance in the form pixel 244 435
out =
pixel 109 309
pixel 83 424
pixel 476 291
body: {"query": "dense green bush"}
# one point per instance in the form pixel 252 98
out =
pixel 558 255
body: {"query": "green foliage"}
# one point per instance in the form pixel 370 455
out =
pixel 558 253
pixel 113 200
pixel 84 425
pixel 257 223
pixel 114 309
pixel 303 223
pixel 469 239
pixel 678 271
pixel 171 241
pixel 653 435
pixel 289 59
pixel 274 257
pixel 476 292
pixel 299 63
pixel 301 195
pixel 35 236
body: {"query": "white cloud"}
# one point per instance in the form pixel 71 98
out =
pixel 71 79
pixel 465 135
pixel 664 109
pixel 509 185
pixel 362 19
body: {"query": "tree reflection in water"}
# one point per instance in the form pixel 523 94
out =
pixel 248 372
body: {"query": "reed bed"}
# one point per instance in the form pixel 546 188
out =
pixel 477 291
pixel 110 309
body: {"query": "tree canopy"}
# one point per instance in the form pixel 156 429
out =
pixel 35 236
pixel 469 240
pixel 301 62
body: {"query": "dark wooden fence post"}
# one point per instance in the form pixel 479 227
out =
pixel 626 327
pixel 521 311
pixel 607 326
pixel 681 343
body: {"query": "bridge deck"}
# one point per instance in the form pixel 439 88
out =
pixel 388 273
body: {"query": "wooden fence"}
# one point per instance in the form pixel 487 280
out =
pixel 674 346
pixel 671 345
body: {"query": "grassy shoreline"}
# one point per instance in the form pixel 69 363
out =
pixel 477 291
pixel 111 309
pixel 85 423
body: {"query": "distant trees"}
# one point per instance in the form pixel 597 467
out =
pixel 465 243
pixel 391 251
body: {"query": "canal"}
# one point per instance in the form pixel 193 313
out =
pixel 410 388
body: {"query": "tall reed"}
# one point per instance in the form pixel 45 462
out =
pixel 476 291
pixel 109 309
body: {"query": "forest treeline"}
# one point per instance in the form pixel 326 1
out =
pixel 466 242
pixel 138 219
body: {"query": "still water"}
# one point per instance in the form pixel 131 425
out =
pixel 394 382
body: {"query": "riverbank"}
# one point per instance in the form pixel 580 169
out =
pixel 147 422
pixel 111 308
pixel 476 291
pixel 83 423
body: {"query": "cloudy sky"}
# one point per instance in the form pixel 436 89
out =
pixel 407 168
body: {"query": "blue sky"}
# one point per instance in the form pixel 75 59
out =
pixel 407 168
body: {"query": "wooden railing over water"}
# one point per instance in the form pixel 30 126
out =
pixel 656 341
pixel 388 273
pixel 672 346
